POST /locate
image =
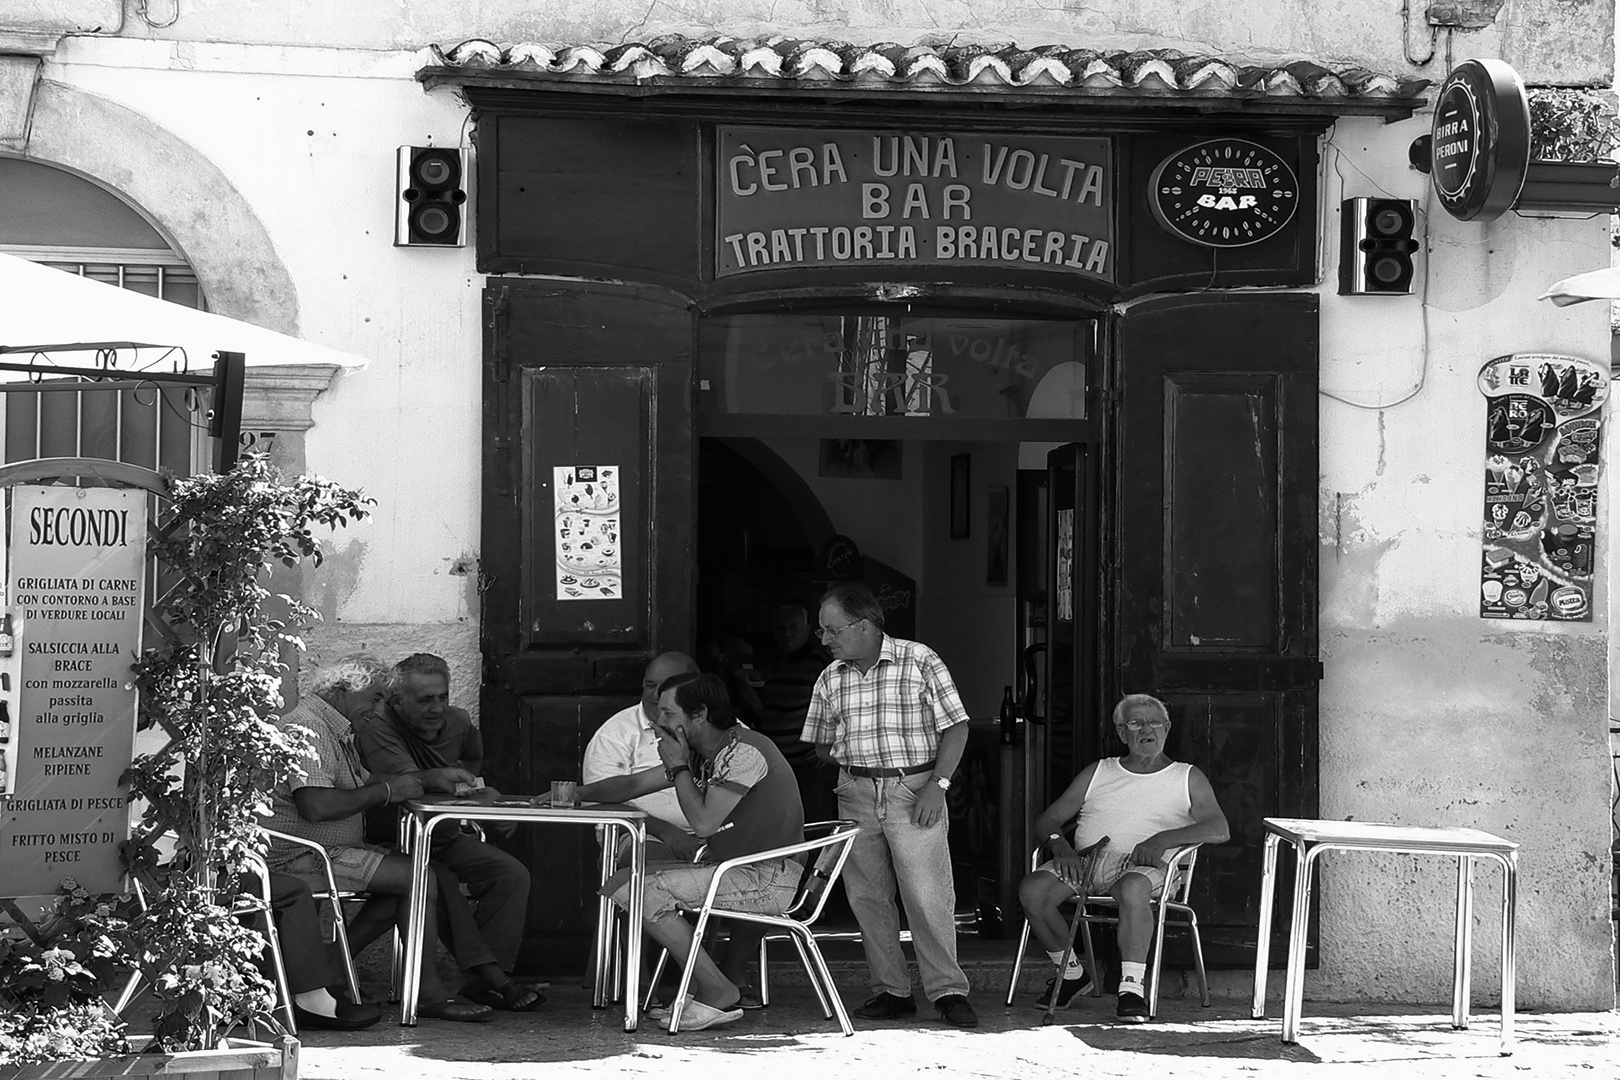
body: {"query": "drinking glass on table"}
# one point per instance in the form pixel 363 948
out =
pixel 564 794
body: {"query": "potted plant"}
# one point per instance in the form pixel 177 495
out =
pixel 1573 135
pixel 212 683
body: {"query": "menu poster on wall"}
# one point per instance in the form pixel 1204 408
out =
pixel 1543 422
pixel 590 559
pixel 74 592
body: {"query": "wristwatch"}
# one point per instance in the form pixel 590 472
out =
pixel 672 771
pixel 1053 836
pixel 944 782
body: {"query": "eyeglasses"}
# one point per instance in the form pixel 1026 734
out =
pixel 825 632
pixel 1138 725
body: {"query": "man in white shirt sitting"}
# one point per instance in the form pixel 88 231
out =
pixel 627 743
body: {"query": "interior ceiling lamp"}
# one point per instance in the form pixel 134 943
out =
pixel 431 205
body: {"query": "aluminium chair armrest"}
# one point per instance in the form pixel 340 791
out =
pixel 840 836
pixel 326 861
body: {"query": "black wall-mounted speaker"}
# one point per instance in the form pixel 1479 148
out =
pixel 431 197
pixel 1377 249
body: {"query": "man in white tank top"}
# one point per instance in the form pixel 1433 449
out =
pixel 1127 813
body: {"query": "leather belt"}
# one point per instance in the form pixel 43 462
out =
pixel 909 770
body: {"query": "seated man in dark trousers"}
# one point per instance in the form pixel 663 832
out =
pixel 739 794
pixel 315 974
pixel 418 733
pixel 326 804
pixel 1128 812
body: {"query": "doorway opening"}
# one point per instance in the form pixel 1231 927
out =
pixel 908 451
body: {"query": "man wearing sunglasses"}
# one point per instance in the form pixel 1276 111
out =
pixel 1128 812
pixel 887 712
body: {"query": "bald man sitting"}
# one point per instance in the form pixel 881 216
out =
pixel 626 744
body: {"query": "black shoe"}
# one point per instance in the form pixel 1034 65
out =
pixel 350 1017
pixel 1132 1008
pixel 1072 988
pixel 955 1011
pixel 887 1006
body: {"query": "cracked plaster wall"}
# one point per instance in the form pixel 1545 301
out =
pixel 1430 714
pixel 1549 41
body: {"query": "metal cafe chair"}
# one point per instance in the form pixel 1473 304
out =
pixel 1171 905
pixel 807 907
pixel 245 905
pixel 335 896
pixel 832 851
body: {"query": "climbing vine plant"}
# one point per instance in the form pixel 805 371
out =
pixel 213 685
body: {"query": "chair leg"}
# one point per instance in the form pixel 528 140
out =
pixel 810 972
pixel 1198 958
pixel 824 977
pixel 1018 963
pixel 340 933
pixel 652 983
pixel 1091 956
pixel 1158 959
pixel 273 939
pixel 686 974
pixel 764 971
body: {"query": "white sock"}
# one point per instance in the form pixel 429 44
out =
pixel 1075 970
pixel 1055 957
pixel 1131 977
pixel 319 1001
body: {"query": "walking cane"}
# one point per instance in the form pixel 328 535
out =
pixel 1074 928
pixel 1063 965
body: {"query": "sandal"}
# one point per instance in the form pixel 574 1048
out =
pixel 513 997
pixel 464 1012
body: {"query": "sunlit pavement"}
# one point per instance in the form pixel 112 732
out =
pixel 567 1037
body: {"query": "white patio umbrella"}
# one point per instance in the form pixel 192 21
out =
pixel 40 305
pixel 1592 285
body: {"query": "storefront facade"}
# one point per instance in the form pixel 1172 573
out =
pixel 1222 481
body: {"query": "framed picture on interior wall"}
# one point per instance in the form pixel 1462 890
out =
pixel 997 543
pixel 860 459
pixel 961 466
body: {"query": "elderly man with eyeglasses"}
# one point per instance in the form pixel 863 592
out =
pixel 887 712
pixel 1128 813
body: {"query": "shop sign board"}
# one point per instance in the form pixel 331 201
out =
pixel 1480 140
pixel 75 592
pixel 1223 193
pixel 1543 422
pixel 798 198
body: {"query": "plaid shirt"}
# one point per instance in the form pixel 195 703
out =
pixel 335 763
pixel 891 716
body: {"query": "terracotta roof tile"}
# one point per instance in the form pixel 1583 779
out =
pixel 1161 73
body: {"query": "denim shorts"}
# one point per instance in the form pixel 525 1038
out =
pixel 767 888
pixel 352 867
pixel 1105 868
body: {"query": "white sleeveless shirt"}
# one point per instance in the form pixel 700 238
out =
pixel 1129 807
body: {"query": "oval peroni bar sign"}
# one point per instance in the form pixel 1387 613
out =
pixel 1223 193
pixel 800 198
pixel 1480 140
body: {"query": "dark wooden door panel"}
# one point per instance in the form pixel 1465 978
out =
pixel 577 373
pixel 598 418
pixel 1217 590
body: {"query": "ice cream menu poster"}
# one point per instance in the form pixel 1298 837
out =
pixel 1543 426
pixel 590 557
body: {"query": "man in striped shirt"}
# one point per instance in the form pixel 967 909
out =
pixel 887 712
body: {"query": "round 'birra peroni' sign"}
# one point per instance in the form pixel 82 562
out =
pixel 1480 142
pixel 1223 193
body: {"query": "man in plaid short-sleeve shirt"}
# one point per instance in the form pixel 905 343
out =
pixel 888 713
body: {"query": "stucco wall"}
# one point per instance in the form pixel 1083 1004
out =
pixel 1431 715
pixel 1552 41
